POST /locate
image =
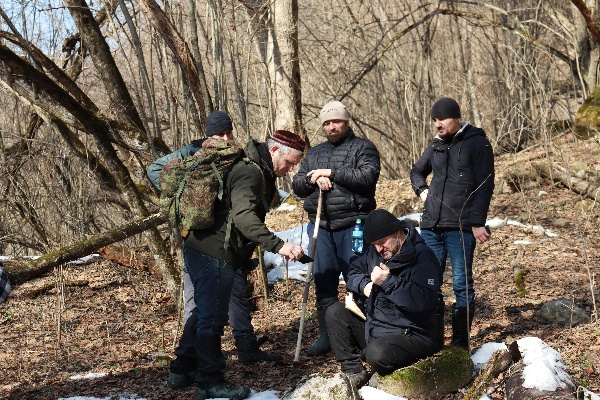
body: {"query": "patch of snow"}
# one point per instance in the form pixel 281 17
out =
pixel 495 222
pixel 523 242
pixel 89 375
pixel 483 355
pixel 85 259
pixel 544 367
pixel 369 393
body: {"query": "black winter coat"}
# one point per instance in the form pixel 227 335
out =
pixel 354 164
pixel 407 299
pixel 463 176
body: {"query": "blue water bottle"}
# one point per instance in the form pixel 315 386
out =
pixel 357 237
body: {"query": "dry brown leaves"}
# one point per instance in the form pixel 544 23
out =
pixel 118 323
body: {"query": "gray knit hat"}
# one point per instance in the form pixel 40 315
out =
pixel 381 223
pixel 445 108
pixel 334 110
pixel 217 122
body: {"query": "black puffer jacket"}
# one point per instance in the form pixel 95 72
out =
pixel 407 298
pixel 463 176
pixel 354 164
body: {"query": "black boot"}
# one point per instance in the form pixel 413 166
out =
pixel 249 351
pixel 460 328
pixel 439 325
pixel 322 345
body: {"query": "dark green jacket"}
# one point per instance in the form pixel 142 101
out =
pixel 247 195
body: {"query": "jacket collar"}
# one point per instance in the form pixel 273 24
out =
pixel 259 153
pixel 457 136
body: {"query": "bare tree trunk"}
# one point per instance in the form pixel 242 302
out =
pixel 286 78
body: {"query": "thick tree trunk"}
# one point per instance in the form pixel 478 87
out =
pixel 286 78
pixel 38 267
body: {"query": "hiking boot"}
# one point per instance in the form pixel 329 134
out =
pixel 250 353
pixel 181 381
pixel 359 379
pixel 223 389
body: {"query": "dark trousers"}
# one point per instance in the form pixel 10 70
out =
pixel 240 317
pixel 333 255
pixel 385 354
pixel 201 338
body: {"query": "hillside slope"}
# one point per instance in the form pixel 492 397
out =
pixel 119 320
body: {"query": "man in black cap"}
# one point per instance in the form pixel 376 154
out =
pixel 219 126
pixel 396 284
pixel 456 203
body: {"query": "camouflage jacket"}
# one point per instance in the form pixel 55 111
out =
pixel 244 197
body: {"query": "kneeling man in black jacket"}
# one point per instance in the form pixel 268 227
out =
pixel 396 284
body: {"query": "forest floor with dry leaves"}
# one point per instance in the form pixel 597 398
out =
pixel 110 318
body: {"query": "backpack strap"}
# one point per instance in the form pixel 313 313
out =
pixel 264 201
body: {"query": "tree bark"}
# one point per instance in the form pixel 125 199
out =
pixel 560 174
pixel 501 360
pixel 38 267
pixel 105 63
pixel 181 51
pixel 286 78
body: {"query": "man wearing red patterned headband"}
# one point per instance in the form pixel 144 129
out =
pixel 215 257
pixel 345 169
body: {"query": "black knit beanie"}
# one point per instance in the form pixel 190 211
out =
pixel 381 223
pixel 445 108
pixel 217 122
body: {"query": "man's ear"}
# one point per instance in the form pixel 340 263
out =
pixel 273 149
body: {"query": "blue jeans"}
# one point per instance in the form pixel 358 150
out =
pixel 333 255
pixel 448 243
pixel 213 282
pixel 239 310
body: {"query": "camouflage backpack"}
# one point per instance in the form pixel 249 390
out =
pixel 189 187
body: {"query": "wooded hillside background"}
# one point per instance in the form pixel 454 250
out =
pixel 92 92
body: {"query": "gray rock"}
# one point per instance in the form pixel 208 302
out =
pixel 563 312
pixel 323 387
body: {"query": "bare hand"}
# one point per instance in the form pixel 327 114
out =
pixel 380 274
pixel 291 251
pixel 481 234
pixel 368 288
pixel 320 177
pixel 423 195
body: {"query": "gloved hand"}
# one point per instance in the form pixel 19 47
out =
pixel 423 195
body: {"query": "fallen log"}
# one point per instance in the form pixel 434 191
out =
pixel 561 175
pixel 21 273
pixel 501 360
pixel 539 375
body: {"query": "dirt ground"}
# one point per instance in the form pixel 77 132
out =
pixel 110 318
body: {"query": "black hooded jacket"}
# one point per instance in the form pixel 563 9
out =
pixel 406 301
pixel 463 180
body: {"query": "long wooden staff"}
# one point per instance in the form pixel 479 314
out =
pixel 309 275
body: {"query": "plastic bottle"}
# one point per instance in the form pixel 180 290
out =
pixel 357 237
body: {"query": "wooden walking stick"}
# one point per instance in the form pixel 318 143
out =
pixel 309 275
